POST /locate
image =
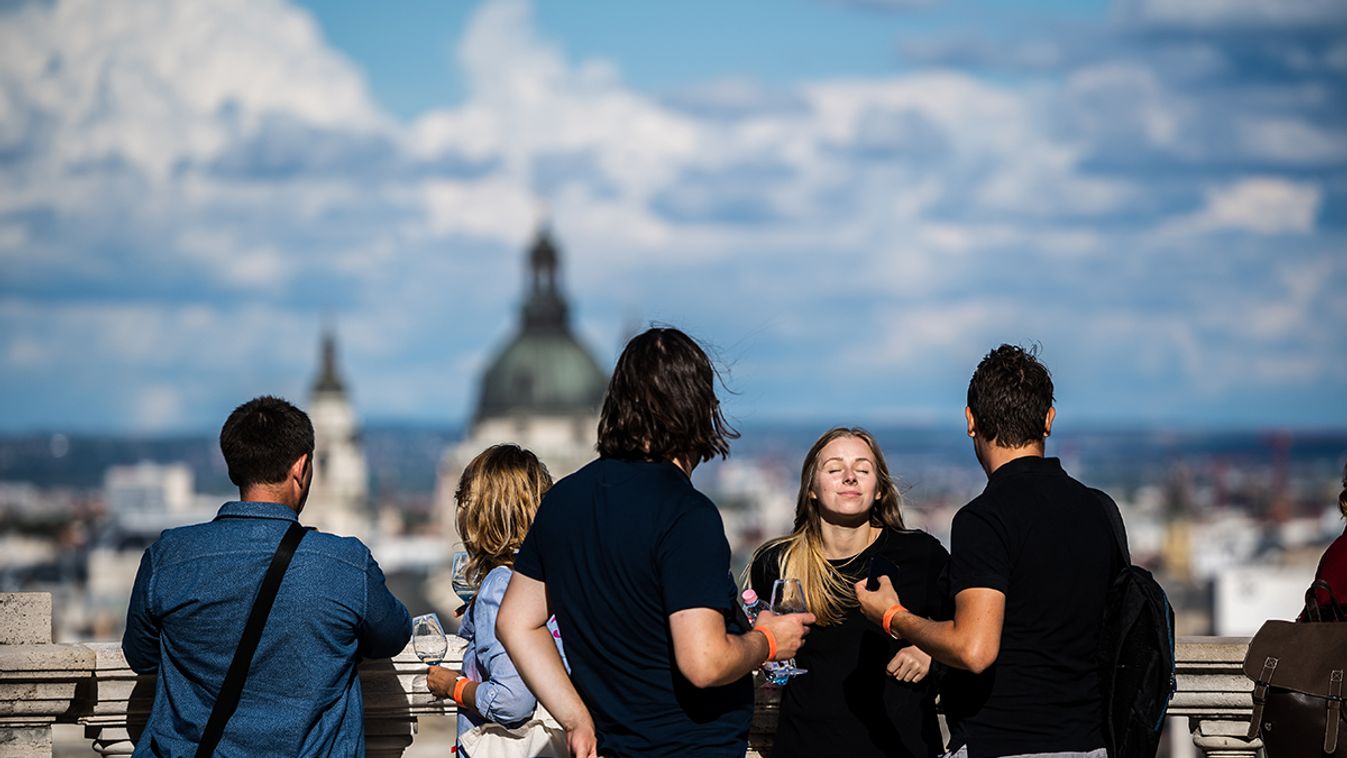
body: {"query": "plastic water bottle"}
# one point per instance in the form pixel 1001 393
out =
pixel 753 605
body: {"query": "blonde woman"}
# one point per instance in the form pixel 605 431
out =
pixel 865 694
pixel 497 497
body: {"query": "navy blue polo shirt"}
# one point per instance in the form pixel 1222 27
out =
pixel 621 545
pixel 1043 540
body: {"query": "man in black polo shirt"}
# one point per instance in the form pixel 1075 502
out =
pixel 634 562
pixel 1031 561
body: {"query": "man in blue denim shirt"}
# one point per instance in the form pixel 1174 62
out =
pixel 196 586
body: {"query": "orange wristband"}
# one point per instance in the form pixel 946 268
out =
pixel 459 686
pixel 888 617
pixel 771 641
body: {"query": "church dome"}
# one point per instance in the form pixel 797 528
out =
pixel 543 370
pixel 542 375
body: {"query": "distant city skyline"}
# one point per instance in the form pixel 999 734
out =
pixel 850 201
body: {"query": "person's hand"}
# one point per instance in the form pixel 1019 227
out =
pixel 874 604
pixel 788 630
pixel 909 665
pixel 582 741
pixel 440 681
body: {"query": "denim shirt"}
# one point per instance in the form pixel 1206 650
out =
pixel 192 595
pixel 502 697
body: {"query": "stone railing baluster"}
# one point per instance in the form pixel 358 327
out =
pixel 114 702
pixel 1215 695
pixel 42 684
pixel 38 680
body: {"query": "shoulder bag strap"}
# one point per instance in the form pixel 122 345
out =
pixel 232 689
pixel 1314 611
pixel 1115 523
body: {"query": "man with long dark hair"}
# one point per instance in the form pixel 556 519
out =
pixel 197 584
pixel 1031 562
pixel 634 562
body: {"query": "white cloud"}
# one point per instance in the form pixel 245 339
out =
pixel 257 267
pixel 495 209
pixel 910 335
pixel 1127 102
pixel 736 97
pixel 157 81
pixel 535 100
pixel 1257 205
pixel 1292 140
pixel 1227 13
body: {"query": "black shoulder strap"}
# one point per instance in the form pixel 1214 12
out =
pixel 1115 522
pixel 232 688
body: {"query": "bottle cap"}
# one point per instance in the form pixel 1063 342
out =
pixel 750 597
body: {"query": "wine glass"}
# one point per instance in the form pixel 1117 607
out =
pixel 458 576
pixel 429 644
pixel 787 597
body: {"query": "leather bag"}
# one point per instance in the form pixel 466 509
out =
pixel 1298 694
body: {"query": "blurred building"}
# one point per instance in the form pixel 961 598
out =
pixel 148 488
pixel 339 499
pixel 143 500
pixel 541 391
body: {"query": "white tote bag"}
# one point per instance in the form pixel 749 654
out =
pixel 539 737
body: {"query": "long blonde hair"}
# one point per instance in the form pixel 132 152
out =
pixel 828 593
pixel 498 496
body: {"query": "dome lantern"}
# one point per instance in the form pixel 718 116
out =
pixel 543 370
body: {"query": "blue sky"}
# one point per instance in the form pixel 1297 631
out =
pixel 851 201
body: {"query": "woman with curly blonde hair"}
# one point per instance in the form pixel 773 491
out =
pixel 498 496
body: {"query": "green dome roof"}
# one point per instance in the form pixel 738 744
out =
pixel 544 370
pixel 544 374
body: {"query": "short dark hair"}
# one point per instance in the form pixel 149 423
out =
pixel 262 438
pixel 1009 395
pixel 661 402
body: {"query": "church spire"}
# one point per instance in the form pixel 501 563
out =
pixel 545 309
pixel 328 380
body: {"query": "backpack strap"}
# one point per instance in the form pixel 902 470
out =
pixel 1115 522
pixel 1334 709
pixel 1260 695
pixel 232 688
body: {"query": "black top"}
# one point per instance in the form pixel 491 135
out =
pixel 1043 539
pixel 848 704
pixel 621 545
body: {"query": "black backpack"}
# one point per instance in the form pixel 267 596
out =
pixel 1136 653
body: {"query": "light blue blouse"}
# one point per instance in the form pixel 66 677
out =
pixel 501 695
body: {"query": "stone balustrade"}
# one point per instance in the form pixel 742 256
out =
pixel 38 680
pixel 113 702
pixel 42 684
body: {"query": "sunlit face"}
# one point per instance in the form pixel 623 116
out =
pixel 845 483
